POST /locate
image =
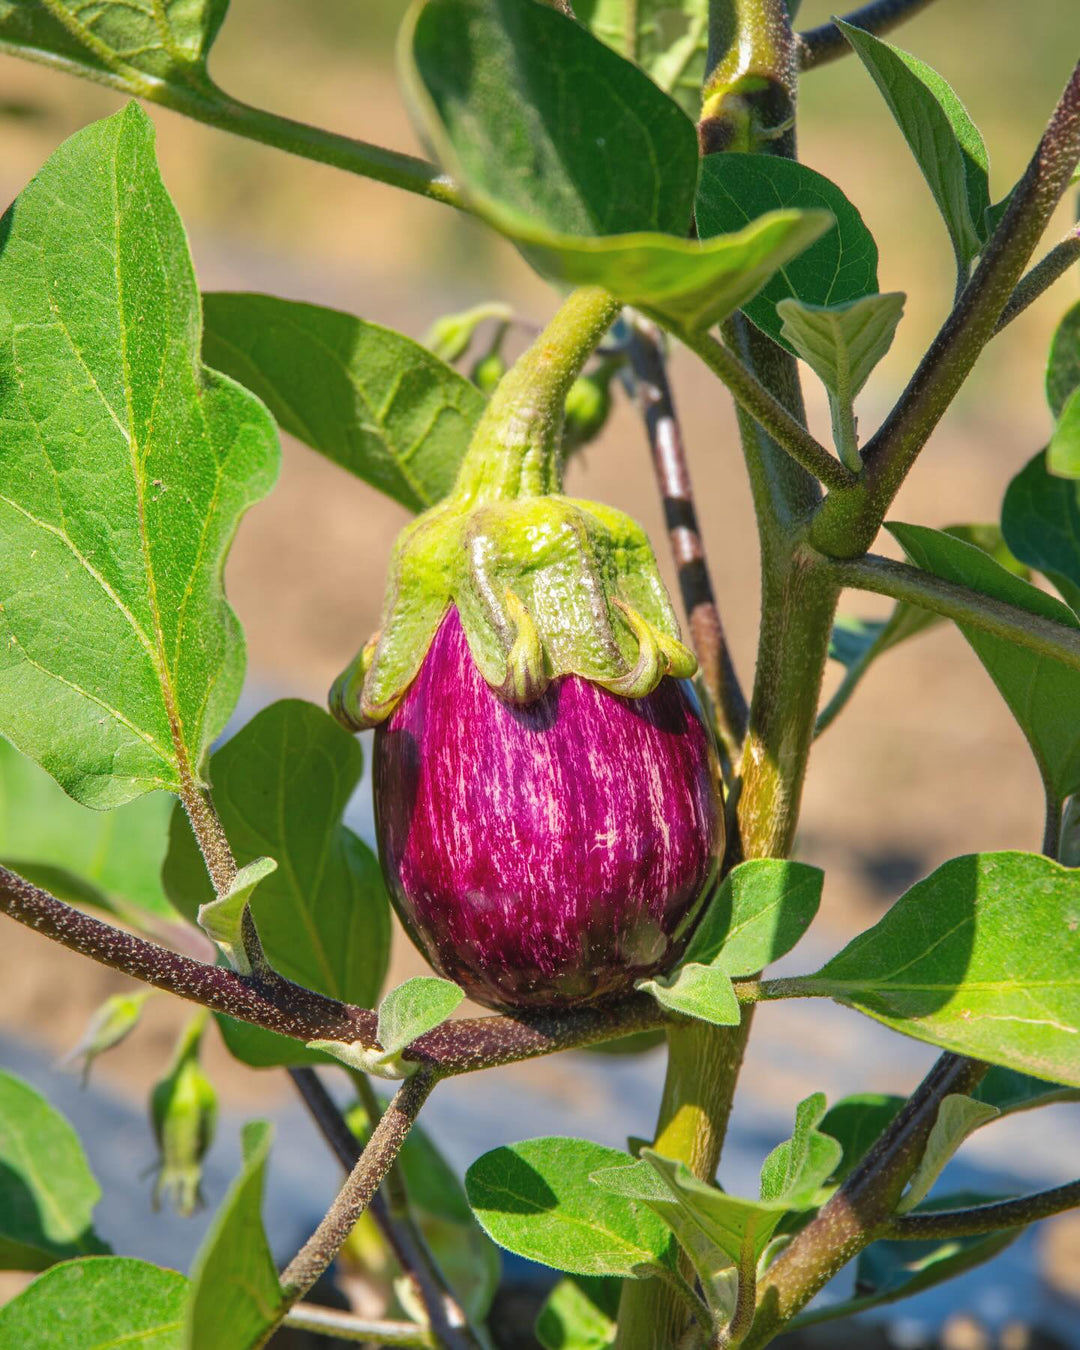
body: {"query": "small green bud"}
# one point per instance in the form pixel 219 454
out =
pixel 183 1110
pixel 588 405
pixel 488 371
pixel 451 336
pixel 112 1023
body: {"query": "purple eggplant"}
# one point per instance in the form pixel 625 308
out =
pixel 551 854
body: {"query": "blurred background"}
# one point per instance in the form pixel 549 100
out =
pixel 926 762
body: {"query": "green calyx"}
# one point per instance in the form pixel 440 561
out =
pixel 545 585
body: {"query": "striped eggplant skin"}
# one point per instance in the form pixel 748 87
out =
pixel 548 855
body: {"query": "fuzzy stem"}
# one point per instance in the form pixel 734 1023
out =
pixel 826 42
pixel 362 1183
pixel 1042 276
pixel 342 1326
pixel 516 449
pixel 944 1224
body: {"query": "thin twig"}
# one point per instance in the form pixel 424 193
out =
pixel 684 533
pixel 344 1326
pixel 1041 277
pixel 444 1314
pixel 771 414
pixel 360 1185
pixel 943 1224
pixel 826 42
pixel 882 576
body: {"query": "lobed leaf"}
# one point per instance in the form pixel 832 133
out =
pixel 281 785
pixel 126 466
pixel 372 400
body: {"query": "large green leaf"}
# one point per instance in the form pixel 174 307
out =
pixel 372 400
pixel 98 1303
pixel 125 466
pixel 1040 518
pixel 840 266
pixel 1042 694
pixel 47 1191
pixel 111 859
pixel 164 39
pixel 945 142
pixel 979 958
pixel 280 786
pixel 236 1297
pixel 666 38
pixel 536 1199
pixel 760 912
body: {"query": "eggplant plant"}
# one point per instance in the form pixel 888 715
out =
pixel 583 822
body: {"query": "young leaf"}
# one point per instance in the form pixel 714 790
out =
pixel 1063 452
pixel 855 1123
pixel 117 41
pixel 222 920
pixel 840 266
pixel 412 1008
pixel 98 1303
pixel 694 990
pixel 1063 365
pixel 536 1199
pixel 281 785
pixel 945 142
pixel 236 1297
pixel 1041 693
pixel 842 344
pixel 579 1314
pixel 666 38
pixel 371 400
pixel 796 1170
pixel 1040 518
pixel 979 958
pixel 109 859
pixel 957 1117
pixel 761 910
pixel 47 1191
pixel 126 466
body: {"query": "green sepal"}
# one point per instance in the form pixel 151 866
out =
pixel 545 586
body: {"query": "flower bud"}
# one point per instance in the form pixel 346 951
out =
pixel 183 1109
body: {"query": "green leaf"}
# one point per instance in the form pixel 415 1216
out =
pixel 413 1008
pixel 795 1171
pixel 222 920
pixel 666 38
pixel 371 400
pixel 1040 518
pixel 523 105
pixel 126 466
pixel 131 39
pixel 840 266
pixel 945 142
pixel 236 1297
pixel 1041 693
pixel 842 344
pixel 98 1303
pixel 762 909
pixel 280 786
pixel 1010 1091
pixel 579 1314
pixel 47 1191
pixel 978 958
pixel 536 1199
pixel 1063 365
pixel 855 1123
pixel 957 1117
pixel 703 992
pixel 1063 452
pixel 110 859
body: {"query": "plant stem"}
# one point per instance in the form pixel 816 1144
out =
pixel 742 1319
pixel 687 547
pixel 826 42
pixel 362 1183
pixel 766 409
pixel 904 582
pixel 860 1209
pixel 1041 277
pixel 344 1326
pixel 941 1225
pixel 849 519
pixel 389 1208
pixel 1051 844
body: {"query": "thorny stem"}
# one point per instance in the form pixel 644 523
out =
pixel 687 547
pixel 860 1210
pixel 362 1183
pixel 1041 277
pixel 826 42
pixel 389 1209
pixel 943 1224
pixel 342 1326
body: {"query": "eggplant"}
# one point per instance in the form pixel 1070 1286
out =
pixel 550 854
